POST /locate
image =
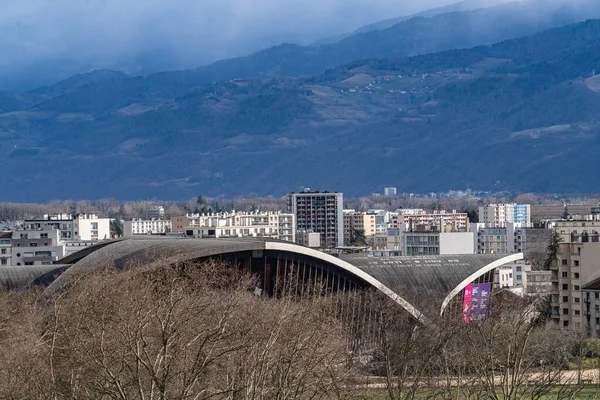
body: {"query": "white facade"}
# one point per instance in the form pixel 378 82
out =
pixel 269 224
pixel 425 243
pixel 513 275
pixel 81 227
pixel 146 227
pixel 442 220
pixel 498 215
pixel 389 191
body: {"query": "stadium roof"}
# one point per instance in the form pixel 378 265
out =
pixel 400 278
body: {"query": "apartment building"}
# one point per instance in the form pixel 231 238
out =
pixel 425 241
pixel 155 212
pixel 321 212
pixel 577 264
pixel 512 275
pixel 570 229
pixel 275 225
pixel 358 221
pixel 81 227
pixel 498 215
pixel 443 220
pixel 146 227
pixel 36 247
pixel 389 191
pixel 5 248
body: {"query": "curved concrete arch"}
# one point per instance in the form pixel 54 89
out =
pixel 346 266
pixel 489 267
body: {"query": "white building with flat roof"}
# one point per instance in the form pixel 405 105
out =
pixel 146 227
pixel 273 224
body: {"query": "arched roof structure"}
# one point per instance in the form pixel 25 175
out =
pixel 440 278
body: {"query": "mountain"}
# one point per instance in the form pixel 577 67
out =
pixel 466 5
pixel 77 81
pixel 519 115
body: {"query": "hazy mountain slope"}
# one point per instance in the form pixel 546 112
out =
pixel 466 5
pixel 77 81
pixel 511 116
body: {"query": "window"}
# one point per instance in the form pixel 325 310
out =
pixel 565 274
pixel 18 263
pixel 565 311
pixel 519 277
pixel 577 312
pixel 576 275
pixel 597 320
pixel 564 262
pixel 28 262
pixel 565 324
pixel 597 295
pixel 18 254
pixel 565 286
pixel 575 287
pixel 32 244
pixel 576 299
pixel 43 236
pixel 4 261
pixel 518 269
pixel 565 299
pixel 576 263
pixel 3 251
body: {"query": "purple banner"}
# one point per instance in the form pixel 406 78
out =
pixel 480 302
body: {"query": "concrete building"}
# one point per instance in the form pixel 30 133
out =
pixel 425 241
pixel 146 227
pixel 512 275
pixel 237 224
pixel 308 238
pixel 358 221
pixel 389 191
pixel 5 248
pixel 498 215
pixel 442 220
pixel 321 212
pixel 570 229
pixel 155 212
pixel 81 227
pixel 578 262
pixel 36 247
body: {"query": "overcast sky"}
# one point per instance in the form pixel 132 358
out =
pixel 109 32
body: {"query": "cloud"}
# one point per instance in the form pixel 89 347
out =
pixel 109 33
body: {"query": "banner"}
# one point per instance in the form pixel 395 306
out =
pixel 476 301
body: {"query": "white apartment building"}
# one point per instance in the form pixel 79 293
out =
pixel 146 227
pixel 37 247
pixel 426 242
pixel 443 220
pixel 498 215
pixel 321 212
pixel 389 191
pixel 275 225
pixel 81 227
pixel 512 275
